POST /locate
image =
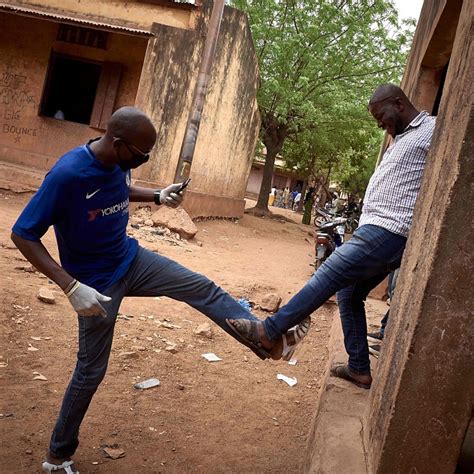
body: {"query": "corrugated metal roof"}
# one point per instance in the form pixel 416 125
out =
pixel 72 20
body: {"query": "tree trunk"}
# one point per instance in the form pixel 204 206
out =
pixel 274 135
pixel 266 186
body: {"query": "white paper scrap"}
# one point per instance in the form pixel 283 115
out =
pixel 289 380
pixel 292 361
pixel 211 357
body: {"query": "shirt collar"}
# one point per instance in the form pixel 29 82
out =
pixel 417 121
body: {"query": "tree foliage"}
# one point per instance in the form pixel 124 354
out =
pixel 319 62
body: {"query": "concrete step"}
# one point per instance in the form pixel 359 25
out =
pixel 19 179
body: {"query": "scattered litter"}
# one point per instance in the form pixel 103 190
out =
pixel 291 381
pixel 94 463
pixel 150 383
pixel 38 376
pixel 292 361
pixel 113 451
pixel 6 415
pixel 211 357
pixel 245 303
pixel 36 338
pixel 32 348
pixel 3 365
pixel 152 429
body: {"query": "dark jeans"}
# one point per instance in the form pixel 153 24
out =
pixel 352 271
pixel 149 275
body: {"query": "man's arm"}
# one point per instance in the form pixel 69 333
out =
pixel 40 258
pixel 139 194
pixel 170 196
pixel 85 300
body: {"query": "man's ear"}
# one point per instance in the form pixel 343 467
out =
pixel 399 104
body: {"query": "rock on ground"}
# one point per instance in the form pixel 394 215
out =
pixel 270 302
pixel 46 295
pixel 204 330
pixel 177 220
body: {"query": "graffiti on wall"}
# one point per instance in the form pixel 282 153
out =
pixel 15 97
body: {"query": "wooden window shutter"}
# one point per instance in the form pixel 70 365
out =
pixel 106 94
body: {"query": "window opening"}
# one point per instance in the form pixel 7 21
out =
pixel 70 90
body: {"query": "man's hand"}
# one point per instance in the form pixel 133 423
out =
pixel 170 197
pixel 86 301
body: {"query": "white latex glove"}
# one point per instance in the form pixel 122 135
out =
pixel 86 301
pixel 169 196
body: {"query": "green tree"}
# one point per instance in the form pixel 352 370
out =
pixel 319 61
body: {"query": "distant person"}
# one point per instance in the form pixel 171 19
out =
pixel 376 247
pixel 286 197
pixel 296 201
pixel 271 197
pixel 279 197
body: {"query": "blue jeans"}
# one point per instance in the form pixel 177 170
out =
pixel 352 271
pixel 149 275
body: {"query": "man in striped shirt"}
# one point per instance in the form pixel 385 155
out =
pixel 377 246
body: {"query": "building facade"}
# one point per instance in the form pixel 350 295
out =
pixel 65 66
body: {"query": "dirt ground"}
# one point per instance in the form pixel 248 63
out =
pixel 228 416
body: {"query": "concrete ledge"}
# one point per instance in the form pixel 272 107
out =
pixel 336 440
pixel 335 443
pixel 18 178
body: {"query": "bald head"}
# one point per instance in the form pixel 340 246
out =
pixel 132 125
pixel 388 91
pixel 392 109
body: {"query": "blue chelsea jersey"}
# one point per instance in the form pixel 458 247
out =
pixel 88 205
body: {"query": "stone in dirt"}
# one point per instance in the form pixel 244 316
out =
pixel 177 220
pixel 204 330
pixel 171 348
pixel 129 355
pixel 113 451
pixel 46 295
pixel 270 302
pixel 9 245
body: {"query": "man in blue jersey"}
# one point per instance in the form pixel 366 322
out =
pixel 86 196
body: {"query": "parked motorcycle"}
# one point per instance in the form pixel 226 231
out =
pixel 329 236
pixel 322 216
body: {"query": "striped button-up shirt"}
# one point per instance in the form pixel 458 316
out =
pixel 391 194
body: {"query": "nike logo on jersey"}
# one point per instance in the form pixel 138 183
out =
pixel 88 196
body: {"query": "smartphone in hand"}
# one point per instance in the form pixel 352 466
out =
pixel 183 185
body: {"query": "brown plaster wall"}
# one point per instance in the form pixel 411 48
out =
pixel 26 138
pixel 230 120
pixel 423 396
